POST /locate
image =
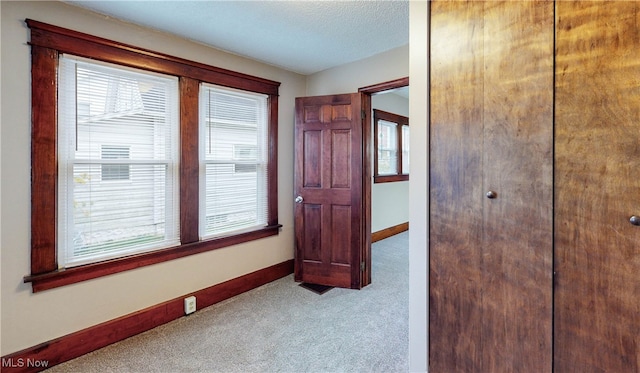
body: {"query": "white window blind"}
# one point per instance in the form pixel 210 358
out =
pixel 118 161
pixel 387 147
pixel 233 160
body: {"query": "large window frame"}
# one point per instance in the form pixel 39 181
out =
pixel 402 173
pixel 47 43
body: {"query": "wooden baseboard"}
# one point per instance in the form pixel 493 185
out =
pixel 388 232
pixel 59 350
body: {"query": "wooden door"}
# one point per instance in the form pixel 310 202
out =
pixel 456 190
pixel 491 131
pixel 597 188
pixel 517 256
pixel 331 248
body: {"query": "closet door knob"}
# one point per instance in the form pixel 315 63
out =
pixel 635 220
pixel 491 194
pixel 299 199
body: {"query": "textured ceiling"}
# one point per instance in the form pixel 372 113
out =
pixel 300 36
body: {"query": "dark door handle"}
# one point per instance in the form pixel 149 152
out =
pixel 635 220
pixel 491 194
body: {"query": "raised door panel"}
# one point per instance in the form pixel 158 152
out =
pixel 455 224
pixel 597 189
pixel 312 159
pixel 341 243
pixel 312 220
pixel 340 158
pixel 517 252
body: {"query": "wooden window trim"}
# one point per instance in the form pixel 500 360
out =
pixel 401 121
pixel 47 42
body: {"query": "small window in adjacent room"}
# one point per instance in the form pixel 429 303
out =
pixel 392 147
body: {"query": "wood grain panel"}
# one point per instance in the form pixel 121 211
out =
pixel 597 295
pixel 272 171
pixel 312 173
pixel 44 90
pixel 455 230
pixel 491 129
pixel 340 158
pixel 189 160
pixel 341 113
pixel 517 162
pixel 85 45
pixel 341 243
pixel 312 232
pixel 312 114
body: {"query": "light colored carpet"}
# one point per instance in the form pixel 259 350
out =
pixel 280 327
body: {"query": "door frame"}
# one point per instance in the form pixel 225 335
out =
pixel 367 174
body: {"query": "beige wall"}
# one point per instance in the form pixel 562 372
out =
pixel 383 67
pixel 29 319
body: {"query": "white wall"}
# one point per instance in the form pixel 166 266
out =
pixel 28 319
pixel 389 201
pixel 419 186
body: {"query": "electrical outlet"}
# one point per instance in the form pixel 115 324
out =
pixel 189 305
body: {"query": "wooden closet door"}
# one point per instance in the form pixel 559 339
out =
pixel 517 253
pixel 455 235
pixel 491 130
pixel 597 187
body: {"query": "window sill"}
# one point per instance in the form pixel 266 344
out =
pixel 62 277
pixel 390 178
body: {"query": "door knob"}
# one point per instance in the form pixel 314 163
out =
pixel 635 220
pixel 299 199
pixel 491 194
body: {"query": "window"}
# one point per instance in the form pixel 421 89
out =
pixel 234 160
pixel 391 162
pixel 97 218
pixel 140 158
pixel 387 147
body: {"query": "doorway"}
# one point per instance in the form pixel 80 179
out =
pixel 377 228
pixel 333 185
pixel 390 187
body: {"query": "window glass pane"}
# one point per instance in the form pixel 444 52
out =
pixel 405 149
pixel 387 148
pixel 233 153
pixel 118 171
pixel 117 161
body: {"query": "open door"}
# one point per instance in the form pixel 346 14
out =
pixel 332 186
